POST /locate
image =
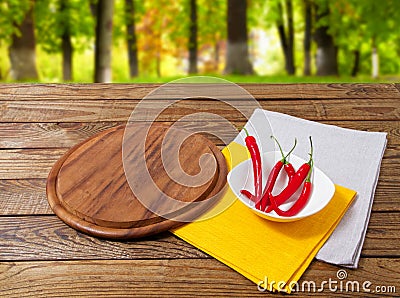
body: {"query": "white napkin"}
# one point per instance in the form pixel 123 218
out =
pixel 351 158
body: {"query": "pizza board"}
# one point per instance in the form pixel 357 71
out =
pixel 88 188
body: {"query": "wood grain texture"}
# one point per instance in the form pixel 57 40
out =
pixel 28 196
pixel 28 163
pixel 120 110
pixel 49 135
pixel 177 278
pixel 48 238
pixel 138 91
pixel 24 197
pixel 44 257
pixel 383 227
pixel 36 163
pixel 64 134
pixel 88 188
pixel 397 86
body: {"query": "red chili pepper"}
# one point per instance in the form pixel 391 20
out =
pixel 270 184
pixel 273 175
pixel 248 194
pixel 294 183
pixel 255 155
pixel 301 201
pixel 290 171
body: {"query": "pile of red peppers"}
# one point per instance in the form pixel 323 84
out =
pixel 263 199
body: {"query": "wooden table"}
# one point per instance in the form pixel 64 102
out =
pixel 41 256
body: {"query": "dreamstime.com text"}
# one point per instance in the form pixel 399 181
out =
pixel 339 284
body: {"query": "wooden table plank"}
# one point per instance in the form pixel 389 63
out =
pixel 28 163
pixel 28 196
pixel 138 91
pixel 42 256
pixel 381 228
pixel 68 134
pixel 37 162
pixel 120 110
pixel 177 278
pixel 23 197
pixel 397 86
pixel 49 135
pixel 48 238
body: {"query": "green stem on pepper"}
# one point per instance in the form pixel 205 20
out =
pixel 294 184
pixel 273 176
pixel 303 198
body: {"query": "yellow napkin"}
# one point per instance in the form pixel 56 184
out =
pixel 271 254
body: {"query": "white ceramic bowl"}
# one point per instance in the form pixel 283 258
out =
pixel 241 177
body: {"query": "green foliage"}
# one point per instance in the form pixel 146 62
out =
pixel 121 17
pixel 212 21
pixel 258 11
pixel 12 13
pixel 162 28
pixel 119 21
pixel 356 25
pixel 54 17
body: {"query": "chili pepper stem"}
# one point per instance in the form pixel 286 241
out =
pixel 308 178
pixel 310 161
pixel 280 149
pixel 245 130
pixel 291 150
pixel 311 151
pixel 302 174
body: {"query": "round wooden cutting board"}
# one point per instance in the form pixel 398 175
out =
pixel 88 187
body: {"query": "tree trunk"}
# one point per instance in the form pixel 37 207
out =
pixel 356 65
pixel 66 45
pixel 131 38
pixel 375 59
pixel 237 58
pixel 193 38
pixel 326 50
pixel 216 55
pixel 290 63
pixel 93 8
pixel 307 37
pixel 287 36
pixel 22 51
pixel 282 33
pixel 67 51
pixel 103 41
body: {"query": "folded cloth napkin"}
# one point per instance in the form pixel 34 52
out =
pixel 271 254
pixel 349 157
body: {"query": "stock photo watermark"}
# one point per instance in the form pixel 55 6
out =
pixel 339 284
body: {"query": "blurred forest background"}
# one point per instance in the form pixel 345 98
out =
pixel 159 40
